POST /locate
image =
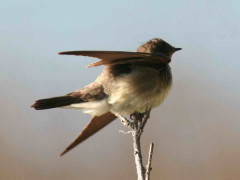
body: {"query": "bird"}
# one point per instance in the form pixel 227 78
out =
pixel 130 82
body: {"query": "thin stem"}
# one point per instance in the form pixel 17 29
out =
pixel 138 155
pixel 145 119
pixel 124 121
pixel 148 167
pixel 137 125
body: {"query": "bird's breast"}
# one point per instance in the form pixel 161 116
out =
pixel 141 89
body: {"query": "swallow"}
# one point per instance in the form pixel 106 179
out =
pixel 130 82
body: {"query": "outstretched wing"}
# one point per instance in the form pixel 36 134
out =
pixel 119 57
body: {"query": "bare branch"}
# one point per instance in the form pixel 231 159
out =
pixel 148 167
pixel 145 118
pixel 138 155
pixel 137 125
pixel 124 121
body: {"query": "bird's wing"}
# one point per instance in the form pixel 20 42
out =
pixel 119 57
pixel 97 123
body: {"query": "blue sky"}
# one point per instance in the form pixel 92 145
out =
pixel 203 105
pixel 208 31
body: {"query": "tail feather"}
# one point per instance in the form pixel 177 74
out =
pixel 55 102
pixel 97 123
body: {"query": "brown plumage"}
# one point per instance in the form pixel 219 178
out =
pixel 119 57
pixel 130 82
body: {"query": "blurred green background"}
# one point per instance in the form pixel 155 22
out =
pixel 196 130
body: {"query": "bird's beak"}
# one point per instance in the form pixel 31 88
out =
pixel 177 49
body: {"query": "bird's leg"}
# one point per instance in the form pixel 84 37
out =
pixel 125 121
pixel 137 120
pixel 134 117
pixel 140 120
pixel 137 116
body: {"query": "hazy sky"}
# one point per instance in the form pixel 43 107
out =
pixel 196 131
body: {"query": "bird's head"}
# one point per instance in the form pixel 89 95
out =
pixel 157 45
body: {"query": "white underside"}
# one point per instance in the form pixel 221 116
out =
pixel 126 98
pixel 95 108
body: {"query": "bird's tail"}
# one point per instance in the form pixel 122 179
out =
pixel 97 123
pixel 55 102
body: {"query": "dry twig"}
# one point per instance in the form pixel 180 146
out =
pixel 137 125
pixel 148 167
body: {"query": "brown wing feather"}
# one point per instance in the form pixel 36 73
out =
pixel 97 123
pixel 119 57
pixel 106 55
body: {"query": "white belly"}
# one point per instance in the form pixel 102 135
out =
pixel 138 92
pixel 129 93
